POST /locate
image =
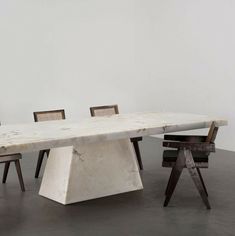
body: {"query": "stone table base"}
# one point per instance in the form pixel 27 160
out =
pixel 79 173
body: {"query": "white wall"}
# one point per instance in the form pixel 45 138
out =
pixel 171 55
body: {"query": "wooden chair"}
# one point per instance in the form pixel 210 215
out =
pixel 7 159
pixel 46 116
pixel 191 152
pixel 111 110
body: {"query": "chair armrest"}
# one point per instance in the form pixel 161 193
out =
pixel 188 138
pixel 193 146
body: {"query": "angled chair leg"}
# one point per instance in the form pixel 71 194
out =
pixel 203 184
pixel 169 181
pixel 47 152
pixel 18 169
pixel 6 168
pixel 39 163
pixel 137 152
pixel 175 175
pixel 195 176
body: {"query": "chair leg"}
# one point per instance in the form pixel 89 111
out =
pixel 18 169
pixel 47 152
pixel 39 162
pixel 169 181
pixel 137 152
pixel 175 175
pixel 195 176
pixel 6 168
pixel 203 184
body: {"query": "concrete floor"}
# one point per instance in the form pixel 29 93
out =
pixel 134 214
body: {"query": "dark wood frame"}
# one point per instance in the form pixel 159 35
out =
pixel 7 159
pixel 186 146
pixel 133 140
pixel 46 151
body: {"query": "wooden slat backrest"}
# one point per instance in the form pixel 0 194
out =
pixel 104 110
pixel 49 115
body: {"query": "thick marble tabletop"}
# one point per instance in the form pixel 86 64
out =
pixel 49 134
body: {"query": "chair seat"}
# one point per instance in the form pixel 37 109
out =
pixel 171 156
pixel 11 157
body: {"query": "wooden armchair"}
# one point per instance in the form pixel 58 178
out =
pixel 190 152
pixel 46 116
pixel 7 159
pixel 111 110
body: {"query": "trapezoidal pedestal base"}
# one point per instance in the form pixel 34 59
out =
pixel 84 172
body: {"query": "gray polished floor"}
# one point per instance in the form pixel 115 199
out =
pixel 133 214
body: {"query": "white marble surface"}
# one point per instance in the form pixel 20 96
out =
pixel 48 134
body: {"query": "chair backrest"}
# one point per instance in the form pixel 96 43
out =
pixel 104 110
pixel 212 133
pixel 49 115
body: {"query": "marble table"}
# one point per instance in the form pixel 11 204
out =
pixel 94 157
